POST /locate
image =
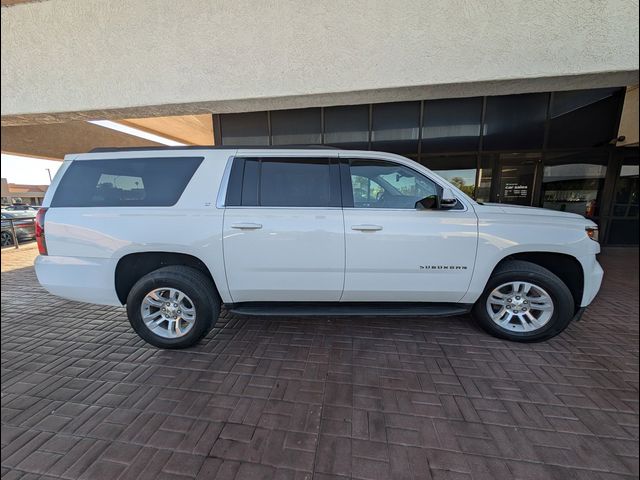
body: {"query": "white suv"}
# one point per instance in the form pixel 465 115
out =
pixel 174 233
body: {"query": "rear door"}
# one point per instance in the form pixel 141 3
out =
pixel 283 227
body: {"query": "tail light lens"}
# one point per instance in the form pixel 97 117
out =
pixel 42 244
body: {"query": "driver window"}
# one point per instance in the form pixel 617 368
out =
pixel 381 184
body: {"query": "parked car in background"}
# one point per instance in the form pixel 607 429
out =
pixel 174 233
pixel 21 207
pixel 24 225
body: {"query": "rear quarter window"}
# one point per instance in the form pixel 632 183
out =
pixel 125 182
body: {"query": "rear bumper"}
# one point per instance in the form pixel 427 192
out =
pixel 593 275
pixel 88 280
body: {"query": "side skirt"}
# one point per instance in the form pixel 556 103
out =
pixel 367 309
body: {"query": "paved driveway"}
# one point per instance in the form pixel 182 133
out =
pixel 372 398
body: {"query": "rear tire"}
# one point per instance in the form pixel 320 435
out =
pixel 506 310
pixel 173 307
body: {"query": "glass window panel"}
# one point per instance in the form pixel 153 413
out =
pixel 395 127
pixel 515 177
pixel 626 200
pixel 451 125
pixel 584 118
pixel 624 232
pixel 244 128
pixel 125 182
pixel 627 185
pixel 295 183
pixel 458 170
pixel 516 184
pixel 515 121
pixel 347 127
pixel 296 127
pixel 250 182
pixel 485 177
pixel 380 184
pixel 574 183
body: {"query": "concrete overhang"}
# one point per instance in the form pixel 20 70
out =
pixel 66 60
pixel 54 140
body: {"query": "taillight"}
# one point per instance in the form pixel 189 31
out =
pixel 42 244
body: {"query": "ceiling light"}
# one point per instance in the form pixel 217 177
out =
pixel 136 132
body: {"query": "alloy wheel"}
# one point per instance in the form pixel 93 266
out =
pixel 168 312
pixel 520 306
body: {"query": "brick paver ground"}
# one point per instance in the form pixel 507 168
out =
pixel 375 398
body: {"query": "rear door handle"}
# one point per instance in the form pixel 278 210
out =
pixel 246 226
pixel 366 228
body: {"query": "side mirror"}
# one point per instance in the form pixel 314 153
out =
pixel 436 202
pixel 448 199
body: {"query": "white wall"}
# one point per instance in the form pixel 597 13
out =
pixel 79 55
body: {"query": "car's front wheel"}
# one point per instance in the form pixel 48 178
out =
pixel 524 302
pixel 7 239
pixel 173 307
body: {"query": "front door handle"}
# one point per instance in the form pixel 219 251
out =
pixel 246 226
pixel 366 228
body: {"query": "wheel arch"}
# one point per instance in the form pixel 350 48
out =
pixel 133 266
pixel 566 267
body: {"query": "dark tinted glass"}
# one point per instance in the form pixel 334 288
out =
pixel 626 194
pixel 347 127
pixel 584 118
pixel 295 183
pixel 574 182
pixel 515 121
pixel 242 188
pixel 296 127
pixel 624 232
pixel 244 128
pixel 250 181
pixel 125 182
pixel 485 177
pixel 395 127
pixel 451 125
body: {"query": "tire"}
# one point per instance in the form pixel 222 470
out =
pixel 544 282
pixel 7 239
pixel 199 297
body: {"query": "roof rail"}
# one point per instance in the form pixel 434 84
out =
pixel 212 147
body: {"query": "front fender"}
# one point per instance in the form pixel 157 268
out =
pixel 499 239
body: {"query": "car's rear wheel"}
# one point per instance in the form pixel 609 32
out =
pixel 173 307
pixel 524 302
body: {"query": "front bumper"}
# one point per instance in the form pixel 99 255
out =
pixel 593 275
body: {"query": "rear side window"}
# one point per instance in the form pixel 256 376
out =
pixel 284 182
pixel 125 182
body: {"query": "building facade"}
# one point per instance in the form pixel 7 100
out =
pixel 520 102
pixel 13 193
pixel 553 150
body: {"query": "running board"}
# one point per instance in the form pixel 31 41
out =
pixel 339 309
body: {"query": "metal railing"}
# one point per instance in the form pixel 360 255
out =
pixel 14 228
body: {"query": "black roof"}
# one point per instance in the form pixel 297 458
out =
pixel 213 147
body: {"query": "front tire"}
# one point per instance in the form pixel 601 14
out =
pixel 524 302
pixel 173 307
pixel 7 239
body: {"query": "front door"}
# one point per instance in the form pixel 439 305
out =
pixel 283 229
pixel 394 252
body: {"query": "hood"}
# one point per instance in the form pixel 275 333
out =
pixel 521 210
